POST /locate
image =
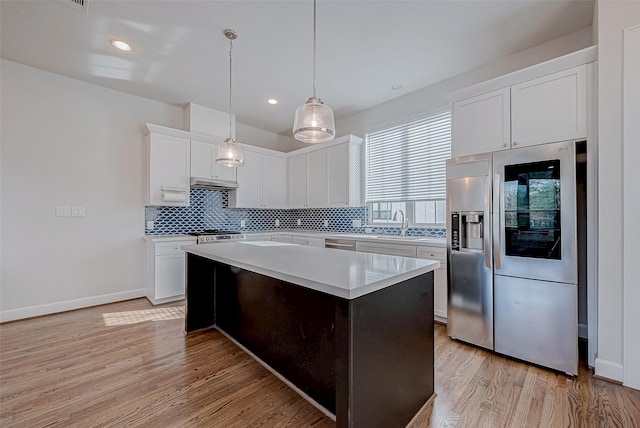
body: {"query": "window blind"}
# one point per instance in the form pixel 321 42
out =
pixel 407 162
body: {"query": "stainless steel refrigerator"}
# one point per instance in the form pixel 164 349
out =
pixel 512 253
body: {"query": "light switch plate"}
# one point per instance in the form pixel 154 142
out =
pixel 356 223
pixel 77 211
pixel 326 223
pixel 368 230
pixel 277 222
pixel 243 223
pixel 150 224
pixel 299 222
pixel 63 211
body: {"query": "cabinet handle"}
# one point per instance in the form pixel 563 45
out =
pixel 504 145
pixel 515 143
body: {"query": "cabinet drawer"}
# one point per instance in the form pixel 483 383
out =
pixel 173 247
pixel 433 253
pixel 312 242
pixel 389 249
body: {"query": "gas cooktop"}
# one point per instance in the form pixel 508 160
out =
pixel 213 235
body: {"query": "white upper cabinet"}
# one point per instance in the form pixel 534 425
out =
pixel 262 181
pixel 326 176
pixel 308 180
pixel 203 162
pixel 298 181
pixel 344 174
pixel 317 178
pixel 550 108
pixel 481 124
pixel 168 165
pixel 274 181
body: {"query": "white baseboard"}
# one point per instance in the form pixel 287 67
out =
pixel 609 370
pixel 68 305
pixel 583 331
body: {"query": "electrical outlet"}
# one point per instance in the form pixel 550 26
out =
pixel 368 230
pixel 277 222
pixel 299 222
pixel 356 223
pixel 63 211
pixel 150 224
pixel 326 223
pixel 77 211
pixel 243 223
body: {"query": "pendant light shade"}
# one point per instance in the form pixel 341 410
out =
pixel 313 122
pixel 229 152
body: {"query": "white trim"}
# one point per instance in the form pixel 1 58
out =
pixel 304 395
pixel 69 305
pixel 592 212
pixel 609 370
pixel 630 150
pixel 574 59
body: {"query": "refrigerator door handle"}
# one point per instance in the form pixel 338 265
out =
pixel 487 227
pixel 497 193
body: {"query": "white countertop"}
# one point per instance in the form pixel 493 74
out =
pixel 407 240
pixel 346 274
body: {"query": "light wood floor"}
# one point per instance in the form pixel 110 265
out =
pixel 129 364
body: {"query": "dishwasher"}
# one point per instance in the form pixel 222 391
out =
pixel 340 244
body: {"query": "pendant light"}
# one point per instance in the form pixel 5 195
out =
pixel 313 122
pixel 230 153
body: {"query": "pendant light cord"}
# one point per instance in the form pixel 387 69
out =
pixel 314 49
pixel 230 77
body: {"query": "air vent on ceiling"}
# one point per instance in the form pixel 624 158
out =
pixel 79 5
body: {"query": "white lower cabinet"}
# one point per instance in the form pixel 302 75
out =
pixel 305 240
pixel 439 280
pixel 165 270
pixel 420 252
pixel 389 249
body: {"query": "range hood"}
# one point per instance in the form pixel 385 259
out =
pixel 212 184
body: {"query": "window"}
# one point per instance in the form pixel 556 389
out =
pixel 406 170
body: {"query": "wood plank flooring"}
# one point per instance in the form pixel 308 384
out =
pixel 129 364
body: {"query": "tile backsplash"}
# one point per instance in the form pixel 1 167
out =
pixel 209 209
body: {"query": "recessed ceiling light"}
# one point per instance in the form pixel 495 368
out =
pixel 396 87
pixel 120 45
pixel 272 101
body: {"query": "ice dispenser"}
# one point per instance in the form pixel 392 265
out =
pixel 467 230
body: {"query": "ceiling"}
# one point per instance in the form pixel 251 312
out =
pixel 180 54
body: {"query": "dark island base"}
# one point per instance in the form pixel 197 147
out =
pixel 368 360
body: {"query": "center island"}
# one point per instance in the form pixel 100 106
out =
pixel 352 332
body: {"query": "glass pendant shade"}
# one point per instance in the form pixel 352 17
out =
pixel 230 154
pixel 313 122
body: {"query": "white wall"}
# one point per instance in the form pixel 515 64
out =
pixel 66 142
pixel 435 96
pixel 613 18
pixel 261 138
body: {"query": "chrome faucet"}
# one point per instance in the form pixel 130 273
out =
pixel 405 222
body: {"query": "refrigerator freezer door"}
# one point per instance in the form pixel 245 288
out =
pixel 470 310
pixel 537 321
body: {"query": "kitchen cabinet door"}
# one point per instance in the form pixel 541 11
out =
pixel 338 175
pixel 169 162
pixel 549 109
pixel 249 191
pixel 274 182
pixel 317 178
pixel 165 270
pixel 389 249
pixel 203 162
pixel 298 181
pixel 439 279
pixel 481 124
pixel 169 274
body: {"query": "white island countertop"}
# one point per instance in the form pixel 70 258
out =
pixel 346 274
